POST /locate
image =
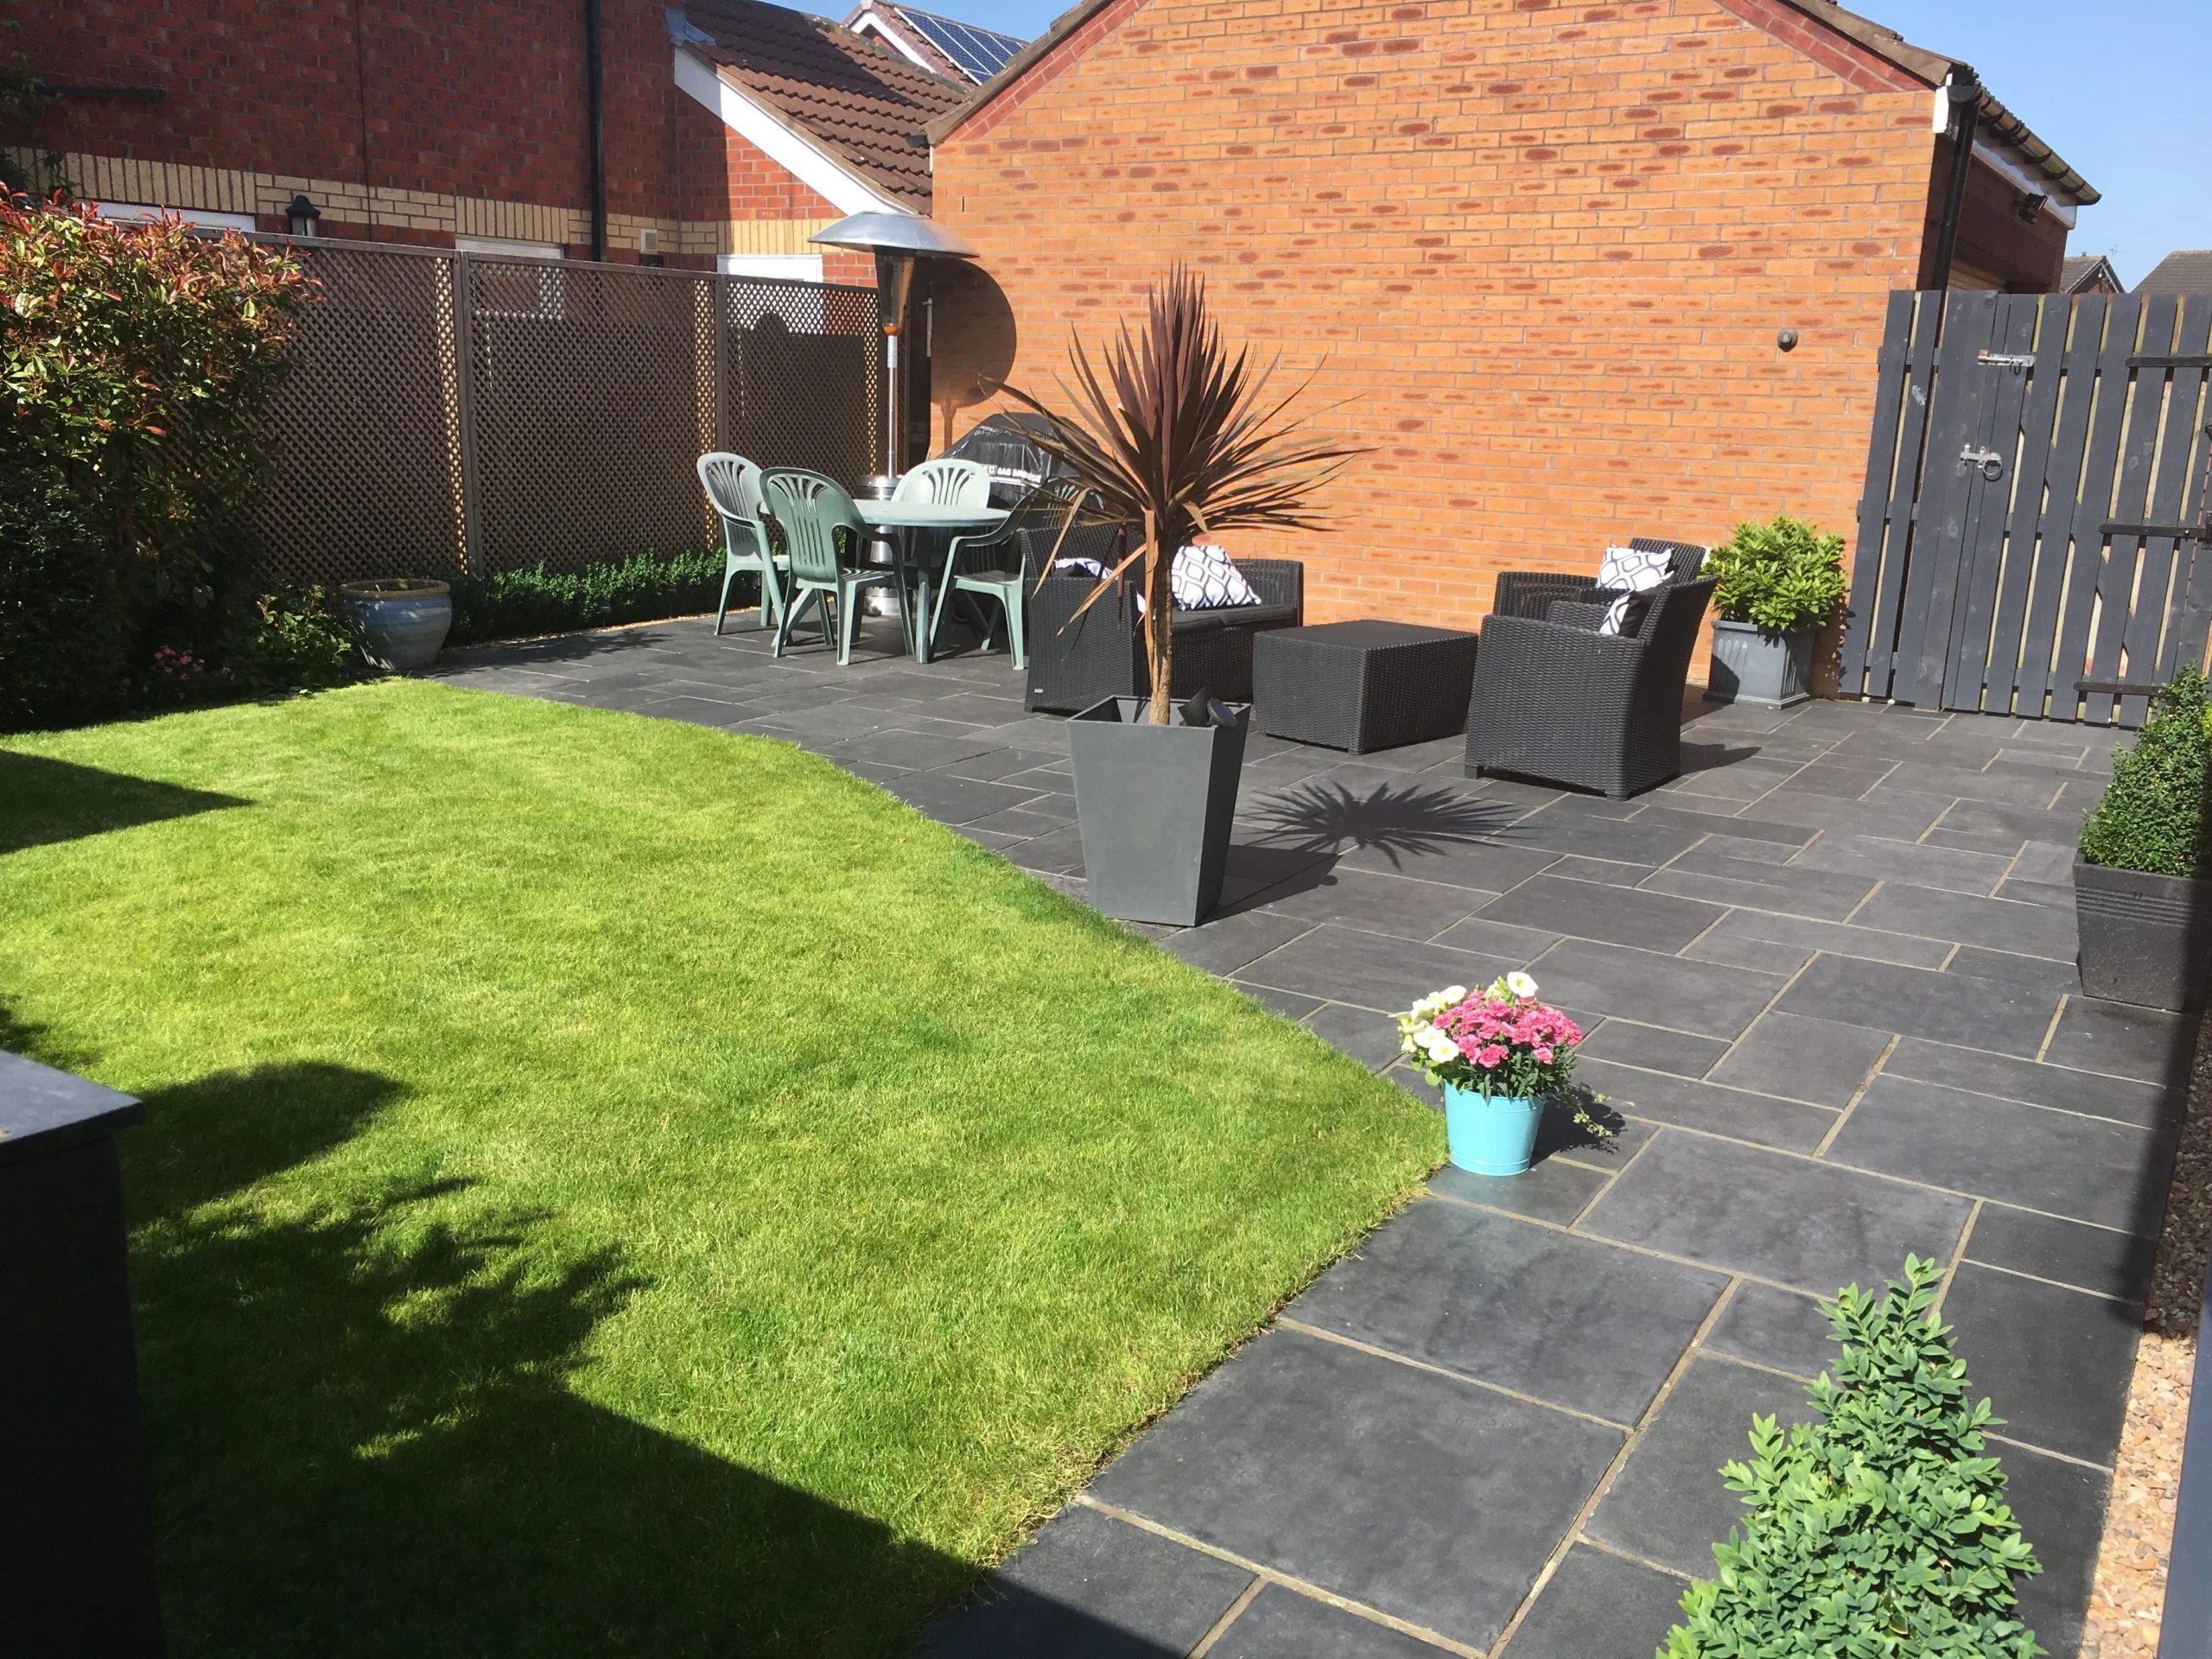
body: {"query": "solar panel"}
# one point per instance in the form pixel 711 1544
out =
pixel 979 53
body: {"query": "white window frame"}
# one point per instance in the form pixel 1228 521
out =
pixel 137 212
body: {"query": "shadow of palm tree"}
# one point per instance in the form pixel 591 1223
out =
pixel 44 800
pixel 1294 836
pixel 371 1430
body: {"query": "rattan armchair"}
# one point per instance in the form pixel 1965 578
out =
pixel 1591 710
pixel 1550 595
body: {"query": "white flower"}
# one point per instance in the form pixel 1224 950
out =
pixel 1520 984
pixel 1450 994
pixel 1442 1048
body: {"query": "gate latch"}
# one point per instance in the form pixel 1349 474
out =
pixel 2015 361
pixel 1991 463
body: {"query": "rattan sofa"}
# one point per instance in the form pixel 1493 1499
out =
pixel 1075 661
pixel 1592 710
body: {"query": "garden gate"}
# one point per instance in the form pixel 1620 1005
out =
pixel 2036 534
pixel 449 412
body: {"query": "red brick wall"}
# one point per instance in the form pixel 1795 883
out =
pixel 486 99
pixel 1540 252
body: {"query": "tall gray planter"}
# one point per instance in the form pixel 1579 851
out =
pixel 2145 939
pixel 401 624
pixel 1750 664
pixel 1154 805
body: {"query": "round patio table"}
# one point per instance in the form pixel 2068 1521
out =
pixel 903 519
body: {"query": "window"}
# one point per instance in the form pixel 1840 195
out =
pixel 126 213
pixel 792 267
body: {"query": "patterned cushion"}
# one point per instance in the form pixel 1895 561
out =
pixel 1205 580
pixel 1637 571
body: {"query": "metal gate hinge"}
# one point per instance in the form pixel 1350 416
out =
pixel 2015 362
pixel 1991 463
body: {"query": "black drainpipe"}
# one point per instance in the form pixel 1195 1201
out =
pixel 595 104
pixel 1965 90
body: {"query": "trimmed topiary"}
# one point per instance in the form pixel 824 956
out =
pixel 2151 817
pixel 1880 1532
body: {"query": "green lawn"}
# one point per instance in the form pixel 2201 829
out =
pixel 612 1186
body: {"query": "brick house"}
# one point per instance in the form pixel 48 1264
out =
pixel 730 132
pixel 944 45
pixel 1543 253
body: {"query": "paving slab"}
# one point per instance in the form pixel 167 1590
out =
pixel 1708 999
pixel 1093 1586
pixel 1796 1222
pixel 1599 1606
pixel 1804 1059
pixel 1779 1329
pixel 2055 1362
pixel 1650 921
pixel 1994 1014
pixel 1430 1499
pixel 1689 1104
pixel 1567 1321
pixel 1281 1623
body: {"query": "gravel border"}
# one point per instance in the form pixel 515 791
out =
pixel 2130 1588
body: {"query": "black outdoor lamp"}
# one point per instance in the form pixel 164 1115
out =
pixel 301 214
pixel 897 240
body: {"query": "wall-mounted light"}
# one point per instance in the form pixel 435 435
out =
pixel 1786 339
pixel 2030 206
pixel 301 215
pixel 649 245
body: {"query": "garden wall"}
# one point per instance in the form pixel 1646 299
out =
pixel 449 412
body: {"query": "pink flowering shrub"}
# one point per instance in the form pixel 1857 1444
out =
pixel 1499 1041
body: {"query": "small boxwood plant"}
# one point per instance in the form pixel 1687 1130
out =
pixel 2152 815
pixel 1783 575
pixel 1880 1531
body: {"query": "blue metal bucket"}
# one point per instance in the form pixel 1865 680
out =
pixel 1493 1136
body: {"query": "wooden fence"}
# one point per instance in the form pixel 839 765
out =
pixel 2034 537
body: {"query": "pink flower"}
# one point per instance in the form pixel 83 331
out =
pixel 1488 1057
pixel 1543 1055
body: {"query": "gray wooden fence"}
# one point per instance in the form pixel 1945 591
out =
pixel 2034 537
pixel 458 411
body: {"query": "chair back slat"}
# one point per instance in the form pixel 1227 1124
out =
pixel 733 486
pixel 1688 556
pixel 947 483
pixel 1669 635
pixel 812 511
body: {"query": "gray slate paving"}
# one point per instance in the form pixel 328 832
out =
pixel 1827 978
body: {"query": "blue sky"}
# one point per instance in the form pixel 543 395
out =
pixel 2117 88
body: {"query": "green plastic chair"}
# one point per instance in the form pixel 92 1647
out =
pixel 732 485
pixel 823 534
pixel 995 562
pixel 948 482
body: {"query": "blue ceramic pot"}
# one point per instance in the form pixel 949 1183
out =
pixel 1490 1137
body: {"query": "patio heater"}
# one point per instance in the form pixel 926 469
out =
pixel 897 240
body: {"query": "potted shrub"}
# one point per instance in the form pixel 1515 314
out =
pixel 401 623
pixel 1182 441
pixel 2142 906
pixel 1779 585
pixel 1499 1056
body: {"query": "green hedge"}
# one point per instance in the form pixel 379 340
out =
pixel 519 604
pixel 2152 815
pixel 66 628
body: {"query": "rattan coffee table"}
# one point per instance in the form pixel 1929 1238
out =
pixel 1363 686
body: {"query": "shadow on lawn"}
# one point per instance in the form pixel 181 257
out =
pixel 50 800
pixel 364 1440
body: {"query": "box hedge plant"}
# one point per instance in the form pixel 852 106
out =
pixel 2151 817
pixel 1880 1532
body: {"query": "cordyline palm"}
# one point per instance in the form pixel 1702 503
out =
pixel 1181 439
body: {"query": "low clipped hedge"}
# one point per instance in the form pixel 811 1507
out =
pixel 646 588
pixel 1881 1531
pixel 2151 816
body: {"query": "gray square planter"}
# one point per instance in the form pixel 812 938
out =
pixel 1770 670
pixel 1154 805
pixel 2144 938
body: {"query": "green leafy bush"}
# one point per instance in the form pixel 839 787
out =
pixel 518 604
pixel 65 640
pixel 1880 1532
pixel 1784 575
pixel 2152 814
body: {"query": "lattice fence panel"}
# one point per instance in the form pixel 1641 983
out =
pixel 591 404
pixel 802 376
pixel 364 434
